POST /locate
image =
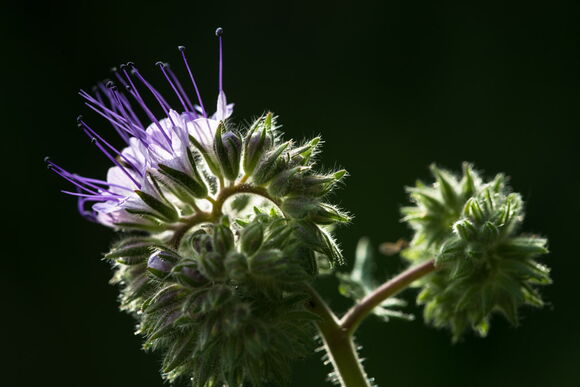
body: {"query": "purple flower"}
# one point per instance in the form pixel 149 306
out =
pixel 148 144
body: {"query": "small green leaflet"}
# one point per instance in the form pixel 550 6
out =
pixel 360 282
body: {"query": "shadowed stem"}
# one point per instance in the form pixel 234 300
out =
pixel 337 334
pixel 203 217
pixel 359 311
pixel 338 344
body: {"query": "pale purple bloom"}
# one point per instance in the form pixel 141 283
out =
pixel 163 141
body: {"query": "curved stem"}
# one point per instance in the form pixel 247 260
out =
pixel 339 345
pixel 227 192
pixel 358 312
pixel 217 204
pixel 179 231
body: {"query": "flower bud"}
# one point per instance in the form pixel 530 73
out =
pixel 211 265
pixel 465 229
pixel 236 266
pixel 228 149
pixel 223 239
pixel 320 185
pixel 268 264
pixel 132 251
pixel 257 142
pixel 251 237
pixel 190 275
pixel 270 164
pixel 161 262
pixel 301 207
pixel 201 242
pixel 284 182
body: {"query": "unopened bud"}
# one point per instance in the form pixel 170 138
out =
pixel 252 237
pixel 257 142
pixel 223 239
pixel 191 276
pixel 161 262
pixel 236 266
pixel 228 149
pixel 211 265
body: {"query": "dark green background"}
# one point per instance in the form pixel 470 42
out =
pixel 391 86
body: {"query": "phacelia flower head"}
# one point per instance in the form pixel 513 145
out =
pixel 130 195
pixel 231 226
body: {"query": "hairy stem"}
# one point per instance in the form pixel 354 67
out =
pixel 358 312
pixel 217 205
pixel 339 345
pixel 337 335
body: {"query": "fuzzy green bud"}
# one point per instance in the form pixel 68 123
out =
pixel 258 141
pixel 228 150
pixel 251 238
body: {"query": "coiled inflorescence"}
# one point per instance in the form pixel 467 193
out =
pixel 224 229
pixel 220 291
pixel 471 228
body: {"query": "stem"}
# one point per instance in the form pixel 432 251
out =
pixel 358 312
pixel 339 345
pixel 227 192
pixel 216 212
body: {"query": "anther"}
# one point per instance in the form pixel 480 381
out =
pixel 46 159
pixel 160 64
pixel 219 31
pixel 79 117
pixel 181 48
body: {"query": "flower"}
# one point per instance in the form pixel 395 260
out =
pixel 163 144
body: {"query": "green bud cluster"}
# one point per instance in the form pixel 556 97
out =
pixel 230 306
pixel 484 265
pixel 221 291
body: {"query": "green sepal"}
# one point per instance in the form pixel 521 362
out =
pixel 269 165
pixel 194 187
pixel 207 156
pixel 257 144
pixel 167 212
pixel 251 238
pixel 228 154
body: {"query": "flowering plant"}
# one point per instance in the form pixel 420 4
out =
pixel 224 232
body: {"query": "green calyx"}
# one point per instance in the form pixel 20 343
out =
pixel 231 308
pixel 484 265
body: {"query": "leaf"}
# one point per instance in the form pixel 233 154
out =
pixel 360 282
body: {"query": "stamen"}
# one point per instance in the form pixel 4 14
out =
pixel 219 32
pixel 164 105
pixel 68 176
pixel 181 90
pixel 182 49
pixel 163 67
pixel 113 117
pixel 120 131
pixel 94 140
pixel 135 93
pixel 91 133
pixel 95 197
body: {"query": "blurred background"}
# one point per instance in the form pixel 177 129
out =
pixel 391 85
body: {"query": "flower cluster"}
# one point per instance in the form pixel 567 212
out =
pixel 471 228
pixel 229 306
pixel 225 229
